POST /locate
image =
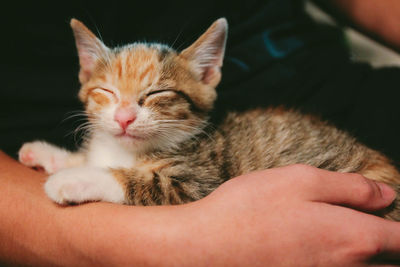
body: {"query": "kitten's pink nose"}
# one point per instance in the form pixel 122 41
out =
pixel 124 117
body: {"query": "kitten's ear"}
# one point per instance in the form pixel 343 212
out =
pixel 90 49
pixel 206 54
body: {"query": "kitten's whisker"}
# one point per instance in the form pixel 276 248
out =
pixel 176 39
pixel 74 115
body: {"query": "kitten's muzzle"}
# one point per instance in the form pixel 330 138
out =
pixel 124 116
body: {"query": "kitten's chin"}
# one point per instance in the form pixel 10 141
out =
pixel 129 137
pixel 149 142
pixel 140 144
pixel 131 141
pixel 135 143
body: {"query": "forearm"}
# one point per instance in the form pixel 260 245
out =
pixel 29 225
pixel 21 222
pixel 379 18
pixel 35 231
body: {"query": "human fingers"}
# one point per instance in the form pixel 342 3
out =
pixel 347 189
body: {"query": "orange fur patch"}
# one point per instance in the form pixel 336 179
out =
pixel 146 71
pixel 133 70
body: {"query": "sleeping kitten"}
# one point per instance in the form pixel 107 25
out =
pixel 150 142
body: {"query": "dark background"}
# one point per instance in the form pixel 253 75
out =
pixel 39 65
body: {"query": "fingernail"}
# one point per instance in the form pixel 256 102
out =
pixel 387 192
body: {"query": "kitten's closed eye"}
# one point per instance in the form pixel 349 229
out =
pixel 156 94
pixel 101 90
pixel 161 91
pixel 104 90
pixel 102 95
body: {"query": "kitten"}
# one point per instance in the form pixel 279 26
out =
pixel 150 141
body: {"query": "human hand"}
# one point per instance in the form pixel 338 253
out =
pixel 297 216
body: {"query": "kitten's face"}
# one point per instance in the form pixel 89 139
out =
pixel 148 96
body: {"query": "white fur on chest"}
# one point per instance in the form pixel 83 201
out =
pixel 105 151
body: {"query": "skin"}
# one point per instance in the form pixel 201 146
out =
pixel 258 218
pixel 379 18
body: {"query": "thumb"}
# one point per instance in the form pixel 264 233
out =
pixel 351 190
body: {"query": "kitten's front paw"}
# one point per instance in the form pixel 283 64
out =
pixel 42 154
pixel 67 188
pixel 79 185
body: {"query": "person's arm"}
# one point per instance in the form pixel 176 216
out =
pixel 277 217
pixel 379 18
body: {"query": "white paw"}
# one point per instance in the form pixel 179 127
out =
pixel 78 185
pixel 42 154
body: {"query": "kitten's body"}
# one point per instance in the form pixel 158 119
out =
pixel 150 142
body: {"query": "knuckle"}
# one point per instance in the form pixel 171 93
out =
pixel 366 189
pixel 366 247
